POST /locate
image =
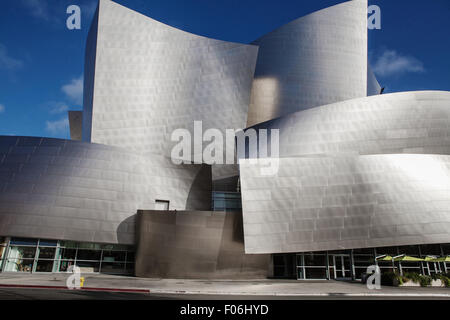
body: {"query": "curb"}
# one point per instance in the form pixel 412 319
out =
pixel 82 288
pixel 191 292
pixel 330 294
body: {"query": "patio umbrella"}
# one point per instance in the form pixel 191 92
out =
pixel 407 258
pixel 384 258
pixel 442 259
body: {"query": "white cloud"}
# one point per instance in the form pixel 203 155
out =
pixel 56 107
pixel 393 63
pixel 60 126
pixel 74 90
pixel 7 62
pixel 2 108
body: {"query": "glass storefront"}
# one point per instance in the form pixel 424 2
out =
pixel 223 201
pixel 351 264
pixel 40 255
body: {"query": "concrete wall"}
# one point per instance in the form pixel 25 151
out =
pixel 195 244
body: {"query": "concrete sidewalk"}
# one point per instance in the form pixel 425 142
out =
pixel 220 287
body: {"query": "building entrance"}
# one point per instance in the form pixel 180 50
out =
pixel 342 267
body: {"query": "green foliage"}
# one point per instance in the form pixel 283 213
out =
pixel 395 279
pixel 425 281
pixel 413 276
pixel 446 280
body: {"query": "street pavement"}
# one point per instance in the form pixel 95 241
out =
pixel 101 286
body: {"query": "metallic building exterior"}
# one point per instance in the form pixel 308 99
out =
pixel 357 169
pixel 315 60
pixel 151 79
pixel 404 122
pixel 195 244
pixel 346 202
pixel 72 190
pixel 359 173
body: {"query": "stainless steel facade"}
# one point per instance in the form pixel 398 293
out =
pixel 356 169
pixel 195 244
pixel 333 203
pixel 72 190
pixel 360 173
pixel 315 60
pixel 151 79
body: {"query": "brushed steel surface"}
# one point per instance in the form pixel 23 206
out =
pixel 195 244
pixel 403 122
pixel 366 172
pixel 64 189
pixel 345 202
pixel 315 60
pixel 149 79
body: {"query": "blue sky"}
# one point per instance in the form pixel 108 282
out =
pixel 41 61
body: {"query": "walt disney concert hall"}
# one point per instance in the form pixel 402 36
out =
pixel 363 177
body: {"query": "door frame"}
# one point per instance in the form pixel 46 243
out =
pixel 346 272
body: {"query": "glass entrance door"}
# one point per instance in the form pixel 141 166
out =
pixel 342 267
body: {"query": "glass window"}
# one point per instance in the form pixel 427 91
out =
pixel 430 249
pixel 65 264
pixel 113 267
pixel 68 253
pixel 68 244
pixel 387 250
pixel 88 266
pixel 112 256
pixel 44 266
pixel 161 205
pixel 315 260
pixel 316 273
pixel 409 250
pixel 46 253
pixel 88 254
pixel 48 243
pixel 130 256
pixel 446 249
pixel 364 260
pixel 363 251
pixel 19 265
pixel 24 241
pixel 16 252
pixel 85 245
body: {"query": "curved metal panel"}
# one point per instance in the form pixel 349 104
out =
pixel 151 79
pixel 366 172
pixel 333 203
pixel 315 60
pixel 404 122
pixel 63 189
